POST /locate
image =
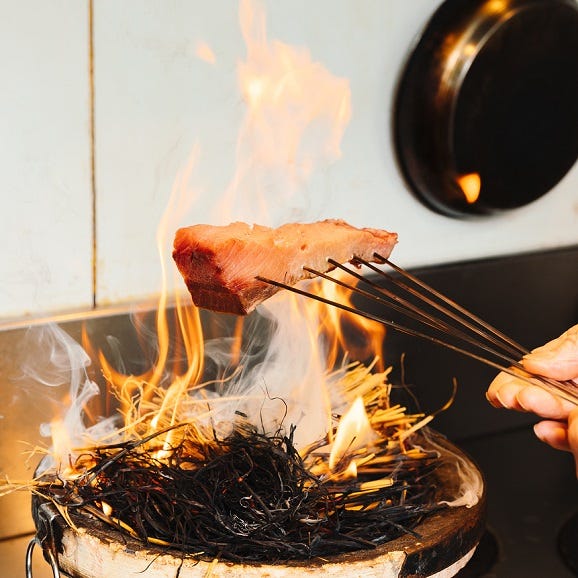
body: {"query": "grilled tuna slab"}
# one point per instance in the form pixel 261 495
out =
pixel 220 263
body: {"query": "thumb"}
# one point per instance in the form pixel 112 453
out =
pixel 557 359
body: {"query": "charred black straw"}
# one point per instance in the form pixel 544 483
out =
pixel 249 497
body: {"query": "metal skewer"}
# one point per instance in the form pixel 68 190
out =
pixel 439 319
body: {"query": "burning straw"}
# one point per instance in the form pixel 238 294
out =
pixel 252 496
pixel 210 469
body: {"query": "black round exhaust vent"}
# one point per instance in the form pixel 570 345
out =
pixel 486 112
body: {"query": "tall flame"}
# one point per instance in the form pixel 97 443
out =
pixel 296 115
pixel 297 112
pixel 165 384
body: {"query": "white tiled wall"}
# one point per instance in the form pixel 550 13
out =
pixel 155 101
pixel 45 196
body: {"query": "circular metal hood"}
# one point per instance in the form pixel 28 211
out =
pixel 486 112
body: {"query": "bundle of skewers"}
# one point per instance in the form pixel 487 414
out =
pixel 428 314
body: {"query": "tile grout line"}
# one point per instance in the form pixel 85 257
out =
pixel 92 150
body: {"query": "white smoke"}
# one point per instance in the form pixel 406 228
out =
pixel 56 360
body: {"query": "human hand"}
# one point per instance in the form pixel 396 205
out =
pixel 557 359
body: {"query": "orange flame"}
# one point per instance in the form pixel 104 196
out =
pixel 471 186
pixel 205 53
pixel 152 400
pixel 62 445
pixel 340 326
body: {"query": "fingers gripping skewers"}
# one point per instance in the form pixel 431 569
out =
pixel 557 359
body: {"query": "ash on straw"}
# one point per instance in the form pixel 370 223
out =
pixel 249 497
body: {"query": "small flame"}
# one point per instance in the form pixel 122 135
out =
pixel 496 6
pixel 106 509
pixel 471 185
pixel 354 433
pixel 205 53
pixel 351 471
pixel 62 444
